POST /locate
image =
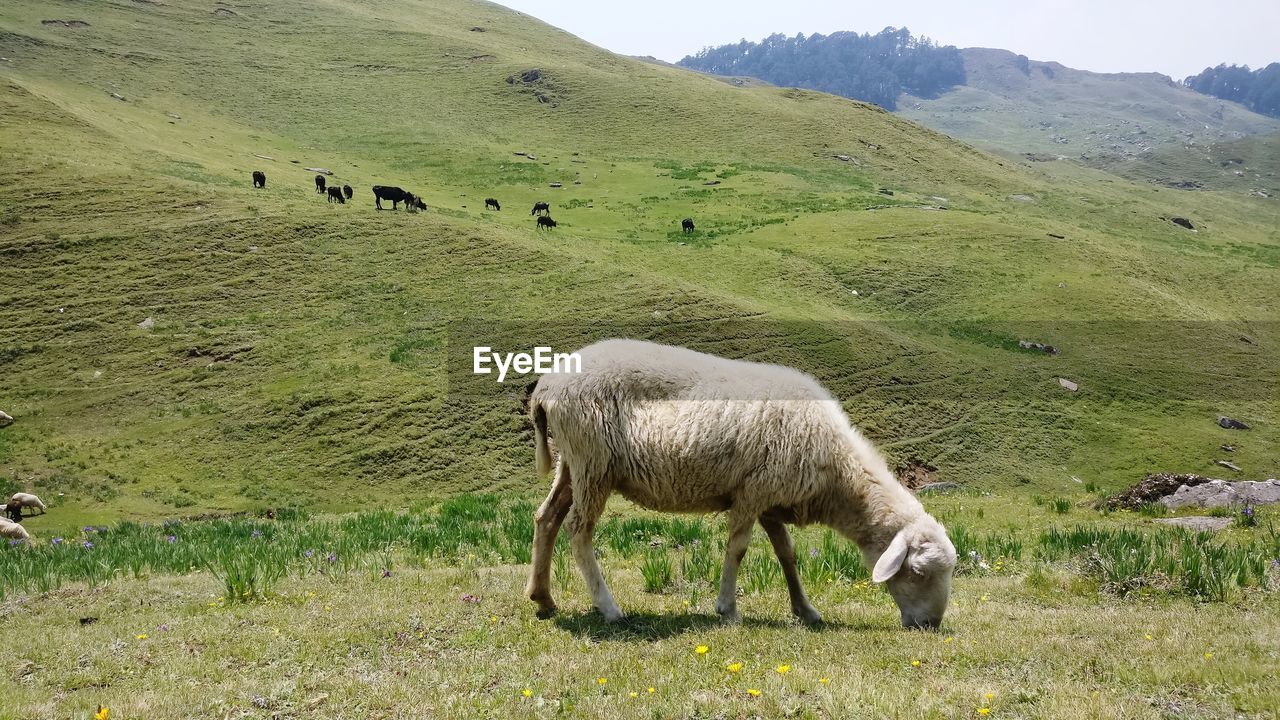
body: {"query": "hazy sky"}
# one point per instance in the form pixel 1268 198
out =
pixel 1174 37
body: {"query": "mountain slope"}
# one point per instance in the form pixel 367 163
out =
pixel 301 352
pixel 1011 103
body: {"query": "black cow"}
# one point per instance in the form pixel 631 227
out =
pixel 491 203
pixel 538 208
pixel 259 179
pixel 389 192
pixel 320 184
pixel 686 225
pixel 335 195
pixel 545 221
pixel 346 190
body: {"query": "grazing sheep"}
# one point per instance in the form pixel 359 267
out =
pixel 541 207
pixel 5 419
pixel 686 225
pixel 320 184
pixel 491 203
pixel 28 500
pixel 13 531
pixel 545 221
pixel 335 195
pixel 259 179
pixel 347 191
pixel 675 430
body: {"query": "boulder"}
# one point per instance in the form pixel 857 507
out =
pixel 1199 523
pixel 1152 488
pixel 1231 423
pixel 1182 222
pixel 1229 465
pixel 1069 384
pixel 1221 493
pixel 147 324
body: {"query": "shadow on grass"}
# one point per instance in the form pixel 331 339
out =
pixel 658 626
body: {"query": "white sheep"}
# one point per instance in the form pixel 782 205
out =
pixel 5 419
pixel 679 431
pixel 27 500
pixel 13 530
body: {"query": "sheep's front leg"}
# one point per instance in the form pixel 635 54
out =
pixel 582 521
pixel 546 525
pixel 734 550
pixel 786 552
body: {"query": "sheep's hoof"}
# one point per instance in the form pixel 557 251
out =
pixel 546 613
pixel 809 616
pixel 729 615
pixel 612 615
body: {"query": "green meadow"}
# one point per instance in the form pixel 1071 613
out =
pixel 189 357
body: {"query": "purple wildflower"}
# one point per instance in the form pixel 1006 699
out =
pixel 55 541
pixel 386 572
pixel 164 627
pixel 88 545
pixel 813 552
pixel 309 553
pixel 87 529
pixel 13 543
pixel 172 538
pixel 332 558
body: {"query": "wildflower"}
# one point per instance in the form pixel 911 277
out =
pixel 103 713
pixel 825 681
pixel 163 627
pixel 332 558
pixel 948 639
pixel 753 692
pixel 602 681
pixel 171 539
pixel 493 618
pixel 701 649
pixel 1208 656
pixel 915 663
pixel 984 598
pixel 56 541
pixel 813 552
pixel 15 543
pixel 527 692
pixel 984 711
pixel 88 545
pixel 386 572
pixel 633 694
pixel 143 636
pixel 87 529
pixel 734 667
pixel 651 691
pixel 1149 636
pixel 783 669
pixel 309 553
pixel 328 608
pixel 989 696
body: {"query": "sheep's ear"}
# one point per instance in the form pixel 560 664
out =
pixel 891 561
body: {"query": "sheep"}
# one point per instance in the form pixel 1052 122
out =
pixel 28 500
pixel 13 531
pixel 676 430
pixel 5 419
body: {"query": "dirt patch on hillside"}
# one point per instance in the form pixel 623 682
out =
pixel 916 473
pixel 1151 489
pixel 66 23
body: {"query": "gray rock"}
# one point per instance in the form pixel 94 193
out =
pixel 1229 465
pixel 1221 493
pixel 1231 423
pixel 1199 523
pixel 938 487
pixel 1069 384
pixel 147 324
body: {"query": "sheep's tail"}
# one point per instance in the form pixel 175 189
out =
pixel 541 451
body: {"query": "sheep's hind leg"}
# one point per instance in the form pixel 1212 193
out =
pixel 546 525
pixel 588 504
pixel 734 550
pixel 786 552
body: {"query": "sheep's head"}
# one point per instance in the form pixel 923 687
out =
pixel 917 567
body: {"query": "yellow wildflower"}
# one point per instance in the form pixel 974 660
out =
pixel 527 692
pixel 948 639
pixel 915 663
pixel 984 711
pixel 734 667
pixel 989 696
pixel 783 669
pixel 1208 656
pixel 602 681
pixel 753 692
pixel 651 691
pixel 1149 636
pixel 102 714
pixel 143 636
pixel 701 649
pixel 633 694
pixel 825 681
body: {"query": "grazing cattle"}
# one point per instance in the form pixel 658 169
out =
pixel 335 195
pixel 539 208
pixel 346 190
pixel 491 203
pixel 686 225
pixel 545 221
pixel 320 184
pixel 389 192
pixel 259 179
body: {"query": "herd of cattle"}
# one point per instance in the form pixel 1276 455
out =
pixel 413 203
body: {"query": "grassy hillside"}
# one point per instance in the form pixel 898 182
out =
pixel 1107 120
pixel 303 353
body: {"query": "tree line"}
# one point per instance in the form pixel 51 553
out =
pixel 1258 90
pixel 873 68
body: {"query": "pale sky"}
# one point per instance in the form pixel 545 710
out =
pixel 1174 37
